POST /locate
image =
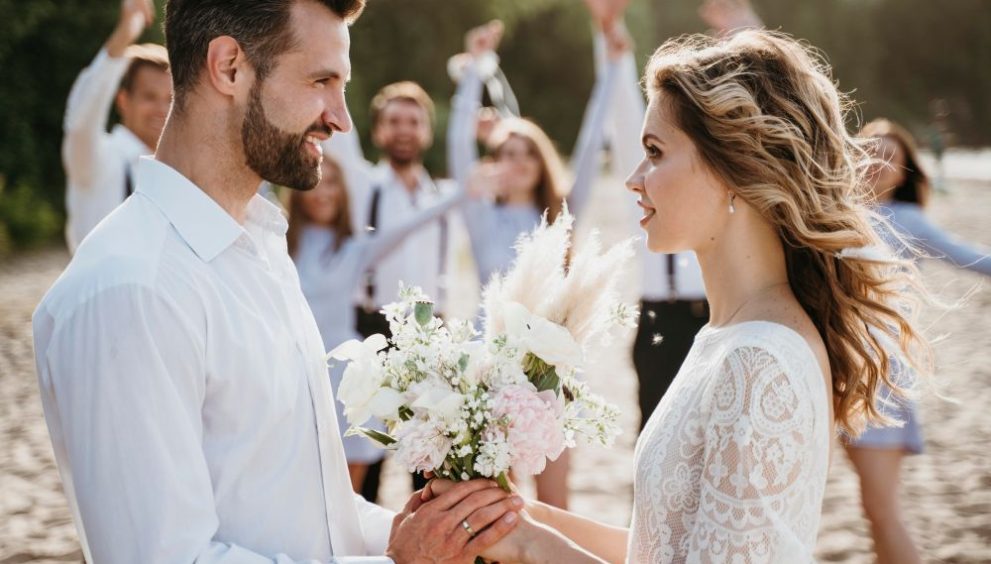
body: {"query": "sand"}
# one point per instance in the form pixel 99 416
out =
pixel 947 490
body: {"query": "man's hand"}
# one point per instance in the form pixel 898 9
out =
pixel 453 527
pixel 135 16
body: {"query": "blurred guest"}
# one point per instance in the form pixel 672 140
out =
pixel 99 164
pixel 900 192
pixel 387 195
pixel 332 258
pixel 524 178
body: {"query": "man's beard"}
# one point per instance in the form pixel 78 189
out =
pixel 276 155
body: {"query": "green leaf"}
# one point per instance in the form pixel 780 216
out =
pixel 377 436
pixel 503 482
pixel 405 413
pixel 423 312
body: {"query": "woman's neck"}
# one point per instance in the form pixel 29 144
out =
pixel 740 267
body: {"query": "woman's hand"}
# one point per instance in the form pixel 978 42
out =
pixel 488 180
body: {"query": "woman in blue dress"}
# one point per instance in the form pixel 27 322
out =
pixel 901 191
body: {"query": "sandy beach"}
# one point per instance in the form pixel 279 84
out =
pixel 947 490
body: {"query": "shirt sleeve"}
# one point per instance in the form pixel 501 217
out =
pixel 123 385
pixel 939 244
pixel 345 149
pixel 584 158
pixel 378 244
pixel 624 121
pixel 376 522
pixel 86 113
pixel 757 489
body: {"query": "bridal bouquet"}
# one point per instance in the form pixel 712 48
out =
pixel 466 405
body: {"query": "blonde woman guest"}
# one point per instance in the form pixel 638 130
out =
pixel 748 164
pixel 332 258
pixel 524 179
pixel 900 190
pixel 526 174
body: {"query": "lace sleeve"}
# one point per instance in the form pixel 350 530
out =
pixel 763 466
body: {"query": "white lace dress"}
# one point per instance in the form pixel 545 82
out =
pixel 732 465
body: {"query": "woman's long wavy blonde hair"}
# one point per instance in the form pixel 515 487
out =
pixel 767 119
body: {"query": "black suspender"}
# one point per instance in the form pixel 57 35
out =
pixel 672 285
pixel 128 183
pixel 373 224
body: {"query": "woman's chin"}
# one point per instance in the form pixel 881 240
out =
pixel 660 244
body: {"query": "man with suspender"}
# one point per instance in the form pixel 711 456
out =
pixel 387 193
pixel 98 164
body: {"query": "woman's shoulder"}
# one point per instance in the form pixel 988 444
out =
pixel 758 344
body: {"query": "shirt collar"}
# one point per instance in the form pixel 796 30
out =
pixel 388 175
pixel 205 226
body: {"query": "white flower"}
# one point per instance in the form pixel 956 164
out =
pixel 361 390
pixel 548 341
pixel 437 401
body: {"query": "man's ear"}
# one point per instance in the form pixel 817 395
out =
pixel 226 65
pixel 123 102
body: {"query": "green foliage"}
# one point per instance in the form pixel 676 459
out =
pixel 25 219
pixel 895 56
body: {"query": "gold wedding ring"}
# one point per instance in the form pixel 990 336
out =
pixel 467 527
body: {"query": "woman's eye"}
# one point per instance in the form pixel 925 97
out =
pixel 652 152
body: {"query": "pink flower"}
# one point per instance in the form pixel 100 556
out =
pixel 534 429
pixel 422 446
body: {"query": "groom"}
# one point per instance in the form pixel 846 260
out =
pixel 181 372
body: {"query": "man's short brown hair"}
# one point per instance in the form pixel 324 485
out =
pixel 149 55
pixel 405 91
pixel 261 27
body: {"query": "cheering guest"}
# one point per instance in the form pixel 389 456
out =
pixel 99 165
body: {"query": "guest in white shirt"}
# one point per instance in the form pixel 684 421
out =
pixel 673 307
pixel 332 257
pixel 391 193
pixel 181 371
pixel 98 165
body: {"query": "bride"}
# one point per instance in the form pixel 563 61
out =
pixel 747 163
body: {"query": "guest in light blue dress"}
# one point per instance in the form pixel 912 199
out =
pixel 522 178
pixel 901 191
pixel 332 259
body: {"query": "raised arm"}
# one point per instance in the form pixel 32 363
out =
pixel 88 107
pixel 939 244
pixel 377 245
pixel 123 406
pixel 585 156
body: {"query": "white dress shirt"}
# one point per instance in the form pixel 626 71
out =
pixel 95 161
pixel 419 260
pixel 624 126
pixel 185 389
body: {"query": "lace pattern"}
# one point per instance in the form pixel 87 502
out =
pixel 732 465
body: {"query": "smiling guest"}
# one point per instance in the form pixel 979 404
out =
pixel 99 165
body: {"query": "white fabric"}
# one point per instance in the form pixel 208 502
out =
pixel 625 121
pixel 731 467
pixel 185 389
pixel 95 161
pixel 417 261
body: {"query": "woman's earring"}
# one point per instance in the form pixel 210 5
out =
pixel 732 208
